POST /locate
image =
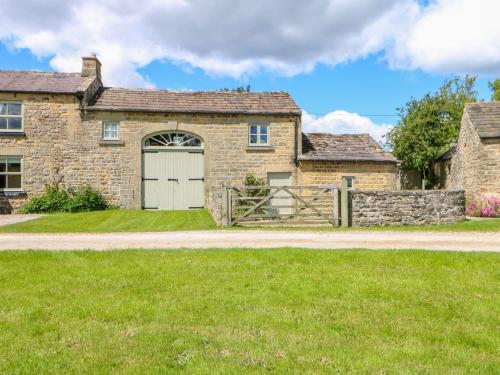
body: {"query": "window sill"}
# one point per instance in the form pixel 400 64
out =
pixel 260 148
pixel 111 142
pixel 12 134
pixel 12 193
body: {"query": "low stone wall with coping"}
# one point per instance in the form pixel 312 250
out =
pixel 370 208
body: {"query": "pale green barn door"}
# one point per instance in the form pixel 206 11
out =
pixel 189 191
pixel 151 180
pixel 173 171
pixel 173 180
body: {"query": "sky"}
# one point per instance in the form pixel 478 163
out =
pixel 348 64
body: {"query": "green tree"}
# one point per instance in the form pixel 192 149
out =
pixel 495 87
pixel 428 126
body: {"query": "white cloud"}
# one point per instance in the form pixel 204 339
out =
pixel 240 37
pixel 451 36
pixel 342 122
pixel 223 37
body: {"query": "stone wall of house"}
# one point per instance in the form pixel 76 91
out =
pixel 490 167
pixel 116 169
pixel 369 208
pixel 442 170
pixel 410 179
pixel 475 166
pixel 48 122
pixel 367 175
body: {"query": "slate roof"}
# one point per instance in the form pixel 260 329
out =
pixel 486 118
pixel 343 147
pixel 166 101
pixel 43 82
pixel 448 154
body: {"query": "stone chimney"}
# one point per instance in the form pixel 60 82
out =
pixel 91 67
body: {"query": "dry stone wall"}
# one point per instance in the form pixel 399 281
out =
pixel 370 208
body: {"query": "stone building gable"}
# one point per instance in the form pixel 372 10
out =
pixel 486 118
pixel 475 166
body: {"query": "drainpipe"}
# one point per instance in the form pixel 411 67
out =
pixel 80 95
pixel 296 151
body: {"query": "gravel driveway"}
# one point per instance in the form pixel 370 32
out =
pixel 14 219
pixel 255 239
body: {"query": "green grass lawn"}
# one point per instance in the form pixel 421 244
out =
pixel 116 221
pixel 151 221
pixel 235 311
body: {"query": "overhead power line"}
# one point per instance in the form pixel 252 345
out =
pixel 351 113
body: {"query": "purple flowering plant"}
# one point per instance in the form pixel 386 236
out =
pixel 485 207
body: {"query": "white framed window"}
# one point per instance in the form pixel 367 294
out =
pixel 110 131
pixel 258 135
pixel 11 117
pixel 10 173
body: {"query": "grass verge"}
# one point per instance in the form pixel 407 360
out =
pixel 235 311
pixel 116 221
pixel 155 221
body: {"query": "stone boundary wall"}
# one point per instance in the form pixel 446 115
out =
pixel 369 208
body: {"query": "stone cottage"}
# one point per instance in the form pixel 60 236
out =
pixel 158 149
pixel 475 161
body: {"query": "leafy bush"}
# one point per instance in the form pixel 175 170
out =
pixel 54 199
pixel 486 207
pixel 252 180
pixel 86 199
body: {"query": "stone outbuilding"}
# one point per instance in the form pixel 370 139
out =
pixel 326 158
pixel 475 163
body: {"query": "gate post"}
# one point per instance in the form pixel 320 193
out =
pixel 226 220
pixel 336 207
pixel 344 203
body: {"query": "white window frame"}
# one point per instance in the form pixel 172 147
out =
pixel 259 132
pixel 3 159
pixel 21 116
pixel 104 124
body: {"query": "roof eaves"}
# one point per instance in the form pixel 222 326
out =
pixel 73 92
pixel 347 158
pixel 155 110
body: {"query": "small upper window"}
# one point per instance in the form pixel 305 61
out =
pixel 10 173
pixel 110 131
pixel 350 182
pixel 258 135
pixel 11 119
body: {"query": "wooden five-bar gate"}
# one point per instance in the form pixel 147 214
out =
pixel 282 205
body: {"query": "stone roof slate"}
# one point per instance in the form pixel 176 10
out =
pixel 43 82
pixel 485 117
pixel 343 147
pixel 448 154
pixel 166 101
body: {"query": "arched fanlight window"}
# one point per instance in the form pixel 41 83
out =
pixel 173 139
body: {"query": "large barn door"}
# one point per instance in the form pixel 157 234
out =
pixel 173 176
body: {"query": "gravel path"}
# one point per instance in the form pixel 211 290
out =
pixel 255 239
pixel 14 219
